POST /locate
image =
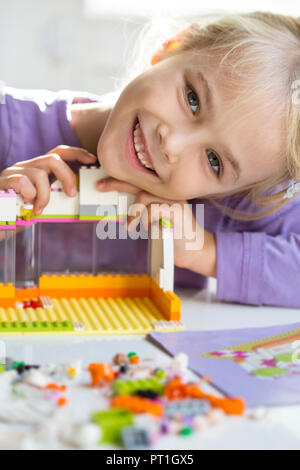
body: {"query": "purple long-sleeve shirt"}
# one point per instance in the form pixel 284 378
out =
pixel 258 262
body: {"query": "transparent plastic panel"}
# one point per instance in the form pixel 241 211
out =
pixel 7 256
pixel 76 248
pixel 117 255
pixel 64 248
pixel 26 275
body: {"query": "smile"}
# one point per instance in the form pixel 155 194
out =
pixel 137 152
pixel 140 148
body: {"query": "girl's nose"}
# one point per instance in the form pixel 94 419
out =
pixel 172 142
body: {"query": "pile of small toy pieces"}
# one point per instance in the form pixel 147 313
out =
pixel 143 403
pixel 148 403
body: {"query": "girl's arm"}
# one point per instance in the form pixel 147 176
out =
pixel 258 261
pixel 255 262
pixel 32 122
pixel 89 119
pixel 259 269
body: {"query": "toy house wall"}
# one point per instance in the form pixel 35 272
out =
pixel 68 247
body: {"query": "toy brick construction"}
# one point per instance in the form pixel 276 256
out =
pixel 82 303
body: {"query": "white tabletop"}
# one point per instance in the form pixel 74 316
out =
pixel 279 429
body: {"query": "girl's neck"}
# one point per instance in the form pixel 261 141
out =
pixel 89 119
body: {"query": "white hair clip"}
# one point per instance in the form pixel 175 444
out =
pixel 292 189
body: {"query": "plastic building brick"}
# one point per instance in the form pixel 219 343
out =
pixel 120 359
pixel 90 197
pixel 176 389
pixel 147 394
pixel 32 303
pixel 101 373
pixel 131 354
pixel 162 257
pixel 130 387
pixel 186 431
pixel 54 386
pixel 7 291
pixel 97 205
pixel 84 304
pixel 138 404
pixel 167 302
pixel 111 423
pixel 74 368
pixel 62 401
pixel 89 310
pixel 134 438
pixel 27 212
pixel 126 282
pixel 187 407
pixel 16 327
pixel 134 359
pixel 46 302
pixel 8 206
pixel 21 367
pixel 60 205
pixel 18 364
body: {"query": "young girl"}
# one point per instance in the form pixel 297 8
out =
pixel 215 120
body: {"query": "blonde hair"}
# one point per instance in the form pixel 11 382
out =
pixel 262 48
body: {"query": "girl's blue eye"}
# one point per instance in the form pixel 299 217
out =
pixel 192 99
pixel 214 162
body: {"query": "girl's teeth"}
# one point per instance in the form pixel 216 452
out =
pixel 138 140
pixel 144 163
pixel 140 155
pixel 139 146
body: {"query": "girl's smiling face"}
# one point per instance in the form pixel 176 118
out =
pixel 197 143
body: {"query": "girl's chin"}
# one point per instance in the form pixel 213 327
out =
pixel 105 163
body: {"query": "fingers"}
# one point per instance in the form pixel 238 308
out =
pixel 52 163
pixel 152 214
pixel 142 200
pixel 32 183
pixel 149 209
pixel 72 154
pixel 30 178
pixel 21 184
pixel 41 182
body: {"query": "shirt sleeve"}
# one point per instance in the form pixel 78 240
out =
pixel 261 267
pixel 32 122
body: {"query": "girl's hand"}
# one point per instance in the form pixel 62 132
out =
pixel 194 247
pixel 30 178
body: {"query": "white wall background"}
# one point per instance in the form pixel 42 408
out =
pixel 82 44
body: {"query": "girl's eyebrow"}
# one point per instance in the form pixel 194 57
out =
pixel 208 93
pixel 209 105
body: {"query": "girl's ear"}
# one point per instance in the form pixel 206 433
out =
pixel 171 44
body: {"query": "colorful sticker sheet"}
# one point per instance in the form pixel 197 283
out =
pixel 262 365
